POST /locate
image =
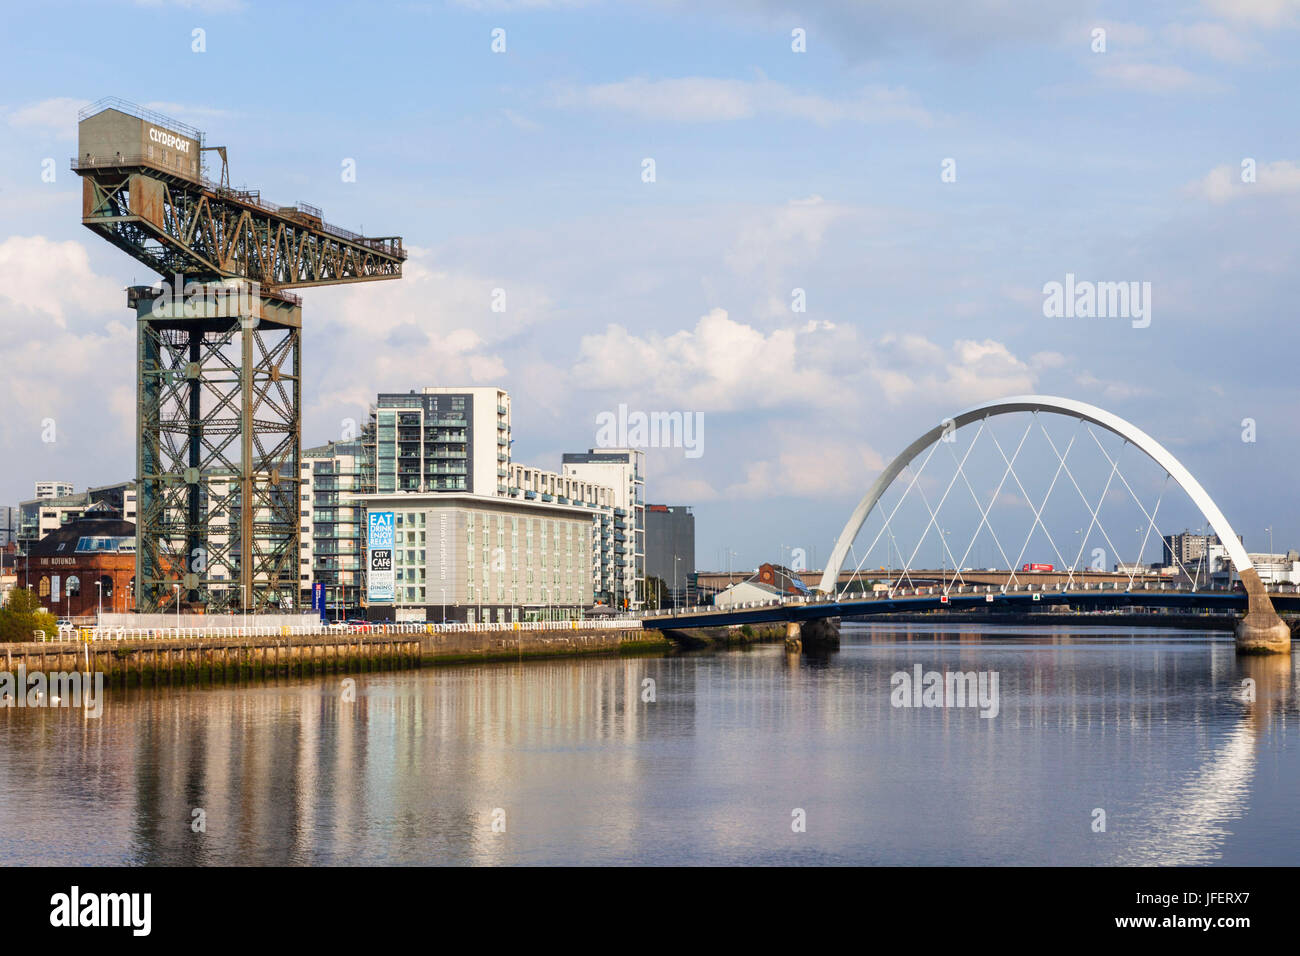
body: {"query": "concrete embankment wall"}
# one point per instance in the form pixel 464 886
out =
pixel 158 662
pixel 443 648
pixel 146 663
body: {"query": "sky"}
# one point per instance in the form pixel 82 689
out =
pixel 921 170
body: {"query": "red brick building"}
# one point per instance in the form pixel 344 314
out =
pixel 89 560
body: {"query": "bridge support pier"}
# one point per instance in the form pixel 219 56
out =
pixel 1261 630
pixel 793 636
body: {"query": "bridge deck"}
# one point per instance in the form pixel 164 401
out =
pixel 960 598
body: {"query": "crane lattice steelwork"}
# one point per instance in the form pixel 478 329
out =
pixel 218 432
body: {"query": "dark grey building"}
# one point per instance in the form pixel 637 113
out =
pixel 8 525
pixel 670 551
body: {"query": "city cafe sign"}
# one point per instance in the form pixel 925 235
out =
pixel 169 139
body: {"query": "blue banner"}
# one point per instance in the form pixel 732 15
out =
pixel 318 599
pixel 379 556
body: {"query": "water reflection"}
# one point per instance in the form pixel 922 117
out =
pixel 1153 728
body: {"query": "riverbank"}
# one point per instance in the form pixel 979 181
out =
pixel 215 659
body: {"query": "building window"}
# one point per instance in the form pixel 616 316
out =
pixel 74 586
pixel 43 589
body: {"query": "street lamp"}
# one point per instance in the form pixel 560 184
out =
pixel 100 608
pixel 243 593
pixel 676 558
pixel 177 589
pixel 444 605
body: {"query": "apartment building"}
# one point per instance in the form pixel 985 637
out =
pixel 537 484
pixel 53 489
pixel 623 471
pixel 39 516
pixel 442 439
pixel 478 558
pixel 332 538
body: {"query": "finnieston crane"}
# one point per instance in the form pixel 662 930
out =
pixel 218 357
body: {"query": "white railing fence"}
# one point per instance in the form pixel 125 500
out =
pixel 375 630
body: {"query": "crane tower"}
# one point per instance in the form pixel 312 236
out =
pixel 218 355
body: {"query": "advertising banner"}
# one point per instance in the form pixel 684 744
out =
pixel 379 556
pixel 318 599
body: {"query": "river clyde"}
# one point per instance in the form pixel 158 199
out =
pixel 741 757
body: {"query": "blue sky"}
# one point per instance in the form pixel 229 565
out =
pixel 775 170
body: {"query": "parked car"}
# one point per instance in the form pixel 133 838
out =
pixel 63 622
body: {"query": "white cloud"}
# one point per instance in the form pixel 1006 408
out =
pixel 1110 390
pixel 719 365
pixel 771 239
pixel 701 99
pixel 807 466
pixel 69 358
pixel 723 365
pixel 432 326
pixel 1153 78
pixel 1119 34
pixel 41 277
pixel 1264 13
pixel 521 122
pixel 1223 183
pixel 1214 40
pixel 56 117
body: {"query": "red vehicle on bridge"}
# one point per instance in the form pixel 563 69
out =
pixel 1038 567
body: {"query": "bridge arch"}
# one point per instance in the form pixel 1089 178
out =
pixel 1061 406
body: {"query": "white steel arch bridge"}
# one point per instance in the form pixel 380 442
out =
pixel 1260 630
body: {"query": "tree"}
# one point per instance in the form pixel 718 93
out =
pixel 656 593
pixel 22 614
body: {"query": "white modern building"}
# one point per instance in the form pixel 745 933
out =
pixel 1273 569
pixel 442 439
pixel 448 447
pixel 537 484
pixel 53 489
pixel 332 523
pixel 623 471
pixel 485 558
